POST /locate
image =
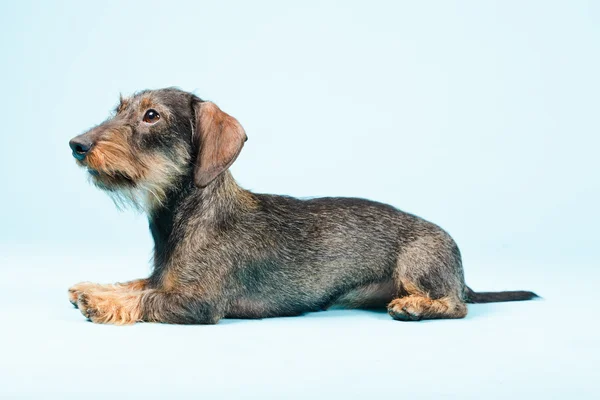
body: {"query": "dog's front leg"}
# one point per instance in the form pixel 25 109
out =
pixel 118 307
pixel 128 307
pixel 88 287
pixel 181 308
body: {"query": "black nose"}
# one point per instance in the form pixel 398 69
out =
pixel 80 147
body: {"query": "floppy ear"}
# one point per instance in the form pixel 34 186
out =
pixel 220 137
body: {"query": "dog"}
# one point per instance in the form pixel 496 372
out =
pixel 224 252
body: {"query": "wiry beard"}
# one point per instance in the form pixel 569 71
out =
pixel 132 198
pixel 141 195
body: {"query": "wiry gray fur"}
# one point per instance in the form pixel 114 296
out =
pixel 222 251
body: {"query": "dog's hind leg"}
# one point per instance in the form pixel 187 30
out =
pixel 430 280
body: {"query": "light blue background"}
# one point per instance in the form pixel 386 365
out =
pixel 481 116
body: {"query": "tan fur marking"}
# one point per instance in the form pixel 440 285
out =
pixel 169 281
pixel 410 288
pixel 111 307
pixel 146 102
pixel 416 307
pixel 113 155
pixel 79 288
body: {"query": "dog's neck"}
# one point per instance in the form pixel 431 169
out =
pixel 213 207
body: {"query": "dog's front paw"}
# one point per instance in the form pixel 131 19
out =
pixel 81 287
pixel 110 307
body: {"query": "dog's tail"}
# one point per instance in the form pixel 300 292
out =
pixel 494 297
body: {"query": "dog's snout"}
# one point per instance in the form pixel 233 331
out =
pixel 80 147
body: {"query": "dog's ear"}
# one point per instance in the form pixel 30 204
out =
pixel 220 138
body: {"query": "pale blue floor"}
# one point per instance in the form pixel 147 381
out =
pixel 540 349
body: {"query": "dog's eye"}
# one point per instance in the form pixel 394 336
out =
pixel 151 116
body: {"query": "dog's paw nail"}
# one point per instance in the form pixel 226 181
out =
pixel 411 315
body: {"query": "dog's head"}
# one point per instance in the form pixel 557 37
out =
pixel 155 138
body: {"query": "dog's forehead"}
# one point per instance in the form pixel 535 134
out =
pixel 171 98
